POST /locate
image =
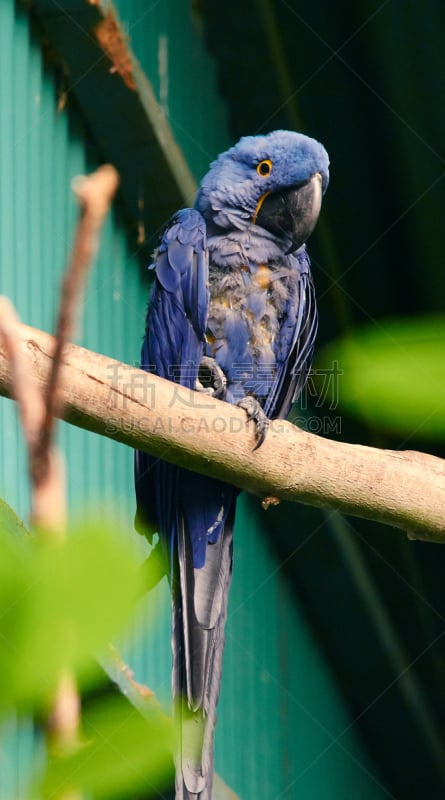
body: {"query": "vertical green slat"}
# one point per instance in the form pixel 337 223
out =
pixel 19 187
pixel 48 220
pixel 6 146
pixel 8 449
pixel 34 135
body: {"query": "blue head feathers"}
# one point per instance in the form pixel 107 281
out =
pixel 257 165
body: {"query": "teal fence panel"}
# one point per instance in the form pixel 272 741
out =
pixel 167 39
pixel 283 729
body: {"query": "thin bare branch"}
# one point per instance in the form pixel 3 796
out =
pixel 38 408
pixel 25 392
pixel 139 695
pixel 48 496
pixel 95 193
pixel 63 721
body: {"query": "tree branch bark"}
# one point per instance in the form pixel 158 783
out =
pixel 402 489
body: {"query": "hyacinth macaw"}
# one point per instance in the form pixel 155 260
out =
pixel 232 313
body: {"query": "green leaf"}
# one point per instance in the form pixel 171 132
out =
pixel 16 580
pixel 393 375
pixel 10 523
pixel 59 606
pixel 123 752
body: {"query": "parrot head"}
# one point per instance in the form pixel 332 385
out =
pixel 271 185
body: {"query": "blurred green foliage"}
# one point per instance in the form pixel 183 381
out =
pixel 59 607
pixel 122 752
pixel 393 375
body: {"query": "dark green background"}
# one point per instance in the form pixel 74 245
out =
pixel 333 679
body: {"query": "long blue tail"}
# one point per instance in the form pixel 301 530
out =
pixel 199 610
pixel 194 517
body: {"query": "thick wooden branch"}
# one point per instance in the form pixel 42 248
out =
pixel 402 489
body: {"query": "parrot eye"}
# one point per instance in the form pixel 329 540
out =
pixel 264 168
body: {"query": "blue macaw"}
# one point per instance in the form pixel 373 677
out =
pixel 232 313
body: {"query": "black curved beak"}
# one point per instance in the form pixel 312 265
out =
pixel 291 213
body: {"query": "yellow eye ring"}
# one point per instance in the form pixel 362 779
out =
pixel 264 168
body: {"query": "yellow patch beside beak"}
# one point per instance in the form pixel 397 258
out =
pixel 258 206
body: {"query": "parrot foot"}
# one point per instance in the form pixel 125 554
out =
pixel 254 412
pixel 211 379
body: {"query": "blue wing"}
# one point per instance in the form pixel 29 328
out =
pixel 173 339
pixel 172 349
pixel 294 346
pixel 179 302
